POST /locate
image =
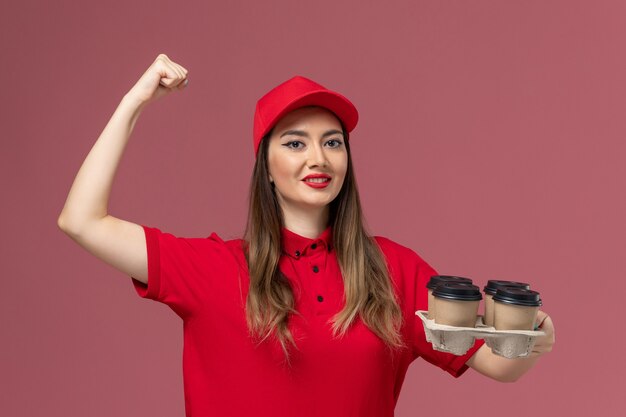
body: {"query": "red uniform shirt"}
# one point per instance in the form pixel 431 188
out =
pixel 205 282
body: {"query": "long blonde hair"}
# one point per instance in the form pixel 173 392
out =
pixel 369 292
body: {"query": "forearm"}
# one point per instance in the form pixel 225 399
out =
pixel 89 195
pixel 499 368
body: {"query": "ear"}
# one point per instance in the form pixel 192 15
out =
pixel 271 179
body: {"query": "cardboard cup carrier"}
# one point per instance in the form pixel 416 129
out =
pixel 456 324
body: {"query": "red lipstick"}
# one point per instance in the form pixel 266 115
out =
pixel 317 184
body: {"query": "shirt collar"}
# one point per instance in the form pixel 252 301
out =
pixel 298 246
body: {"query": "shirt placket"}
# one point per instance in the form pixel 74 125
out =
pixel 316 276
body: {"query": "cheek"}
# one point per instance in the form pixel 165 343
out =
pixel 342 166
pixel 281 169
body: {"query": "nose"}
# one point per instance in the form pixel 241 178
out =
pixel 316 156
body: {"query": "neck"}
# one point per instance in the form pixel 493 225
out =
pixel 306 222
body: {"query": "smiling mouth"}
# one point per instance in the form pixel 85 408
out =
pixel 317 180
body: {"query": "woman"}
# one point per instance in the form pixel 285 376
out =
pixel 307 314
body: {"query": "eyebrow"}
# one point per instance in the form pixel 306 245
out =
pixel 306 135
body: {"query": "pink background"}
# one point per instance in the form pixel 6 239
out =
pixel 491 141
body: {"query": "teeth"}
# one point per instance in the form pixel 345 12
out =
pixel 317 180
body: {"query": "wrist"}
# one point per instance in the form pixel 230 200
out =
pixel 133 100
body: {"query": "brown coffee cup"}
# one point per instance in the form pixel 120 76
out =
pixel 432 284
pixel 490 290
pixel 456 304
pixel 515 308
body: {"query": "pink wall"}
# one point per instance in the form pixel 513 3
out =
pixel 491 141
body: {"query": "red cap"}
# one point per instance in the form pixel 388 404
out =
pixel 294 93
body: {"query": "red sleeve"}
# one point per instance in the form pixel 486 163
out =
pixel 455 365
pixel 181 270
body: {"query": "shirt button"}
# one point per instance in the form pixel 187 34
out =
pixel 320 298
pixel 313 246
pixel 297 253
pixel 316 269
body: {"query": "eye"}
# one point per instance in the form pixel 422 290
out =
pixel 337 143
pixel 290 143
pixel 295 144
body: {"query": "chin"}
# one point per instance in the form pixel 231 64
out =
pixel 315 204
